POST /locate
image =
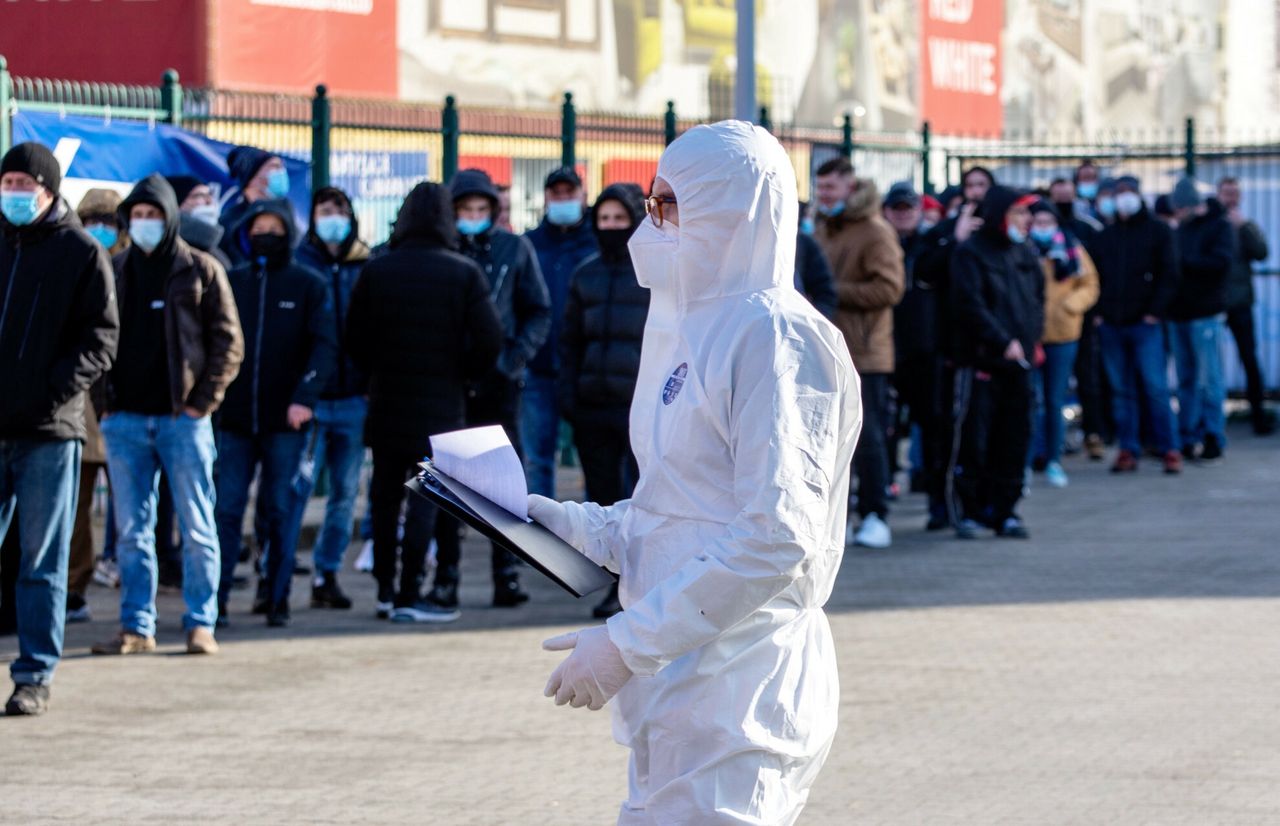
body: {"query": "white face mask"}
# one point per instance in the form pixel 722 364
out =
pixel 206 213
pixel 1128 203
pixel 654 252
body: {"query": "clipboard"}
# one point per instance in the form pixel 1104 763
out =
pixel 546 552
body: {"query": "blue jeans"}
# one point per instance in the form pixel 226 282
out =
pixel 1048 429
pixel 239 455
pixel 41 480
pixel 1137 370
pixel 1201 391
pixel 339 445
pixel 540 431
pixel 138 448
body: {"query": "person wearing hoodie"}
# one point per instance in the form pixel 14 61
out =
pixel 421 325
pixel 290 353
pixel 520 296
pixel 1137 265
pixel 58 334
pixel 198 223
pixel 333 249
pixel 867 261
pixel 1206 251
pixel 600 355
pixel 1251 246
pixel 261 176
pixel 180 347
pixel 563 240
pixel 997 298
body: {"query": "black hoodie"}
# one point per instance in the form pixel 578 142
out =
pixel 1137 263
pixel 290 345
pixel 1206 251
pixel 997 289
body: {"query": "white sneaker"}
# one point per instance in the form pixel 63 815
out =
pixel 106 573
pixel 1055 475
pixel 873 533
pixel 364 562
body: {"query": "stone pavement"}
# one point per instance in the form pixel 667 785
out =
pixel 1120 667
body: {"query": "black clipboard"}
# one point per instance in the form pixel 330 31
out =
pixel 533 543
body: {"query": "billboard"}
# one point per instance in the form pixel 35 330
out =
pixel 960 59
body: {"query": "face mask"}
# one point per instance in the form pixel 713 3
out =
pixel 103 234
pixel 19 208
pixel 806 226
pixel 268 245
pixel 1128 203
pixel 474 226
pixel 654 252
pixel 333 229
pixel 831 211
pixel 147 233
pixel 564 213
pixel 278 183
pixel 925 226
pixel 1043 235
pixel 1088 190
pixel 1016 235
pixel 1107 206
pixel 205 214
pixel 613 240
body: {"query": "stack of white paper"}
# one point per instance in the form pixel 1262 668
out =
pixel 483 459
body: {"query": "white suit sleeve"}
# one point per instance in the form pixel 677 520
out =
pixel 784 430
pixel 601 531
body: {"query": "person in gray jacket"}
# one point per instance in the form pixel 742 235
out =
pixel 1251 246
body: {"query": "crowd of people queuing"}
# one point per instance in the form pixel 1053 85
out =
pixel 188 349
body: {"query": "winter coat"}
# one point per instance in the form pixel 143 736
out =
pixel 1206 253
pixel 204 237
pixel 1067 300
pixel 1137 265
pixel 1251 245
pixel 518 292
pixel 560 250
pixel 866 259
pixel 813 276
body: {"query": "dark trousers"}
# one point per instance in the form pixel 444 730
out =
pixel 995 434
pixel 496 401
pixel 609 469
pixel 10 560
pixel 1240 323
pixel 871 457
pixel 1091 384
pixel 80 566
pixel 920 384
pixel 391 469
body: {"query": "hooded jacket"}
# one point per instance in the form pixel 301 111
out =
pixel 1206 252
pixel 58 324
pixel 421 325
pixel 997 290
pixel 560 250
pixel 916 318
pixel 1137 262
pixel 867 261
pixel 515 279
pixel 340 273
pixel 290 346
pixel 604 324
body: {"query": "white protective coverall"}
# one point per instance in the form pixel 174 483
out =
pixel 744 420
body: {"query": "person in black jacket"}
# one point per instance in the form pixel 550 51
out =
pixel 604 322
pixel 421 325
pixel 1206 250
pixel 198 224
pixel 1138 270
pixel 813 275
pixel 1251 246
pixel 261 176
pixel 997 295
pixel 290 352
pixel 520 296
pixel 58 331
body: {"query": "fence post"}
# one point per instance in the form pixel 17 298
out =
pixel 6 101
pixel 449 135
pixel 669 123
pixel 321 122
pixel 171 97
pixel 1189 152
pixel 764 119
pixel 925 146
pixel 846 137
pixel 568 132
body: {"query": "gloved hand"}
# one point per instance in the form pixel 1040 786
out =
pixel 592 674
pixel 566 520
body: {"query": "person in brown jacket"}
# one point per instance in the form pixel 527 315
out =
pixel 1070 291
pixel 867 262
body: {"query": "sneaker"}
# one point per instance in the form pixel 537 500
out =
pixel 444 595
pixel 968 529
pixel 609 605
pixel 1264 424
pixel 325 593
pixel 426 611
pixel 1190 452
pixel 200 641
pixel 938 518
pixel 262 599
pixel 873 533
pixel 27 701
pixel 507 593
pixel 1125 462
pixel 77 609
pixel 1013 528
pixel 386 603
pixel 278 616
pixel 125 642
pixel 1095 447
pixel 364 562
pixel 1172 462
pixel 1212 449
pixel 106 573
pixel 1055 475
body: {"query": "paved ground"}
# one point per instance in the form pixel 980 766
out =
pixel 1121 667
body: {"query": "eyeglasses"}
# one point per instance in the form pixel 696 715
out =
pixel 653 207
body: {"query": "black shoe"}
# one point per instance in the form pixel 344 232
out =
pixel 224 617
pixel 938 518
pixel 609 605
pixel 77 609
pixel 301 570
pixel 1212 448
pixel 27 701
pixel 262 600
pixel 441 605
pixel 278 616
pixel 444 594
pixel 327 594
pixel 1190 452
pixel 1013 528
pixel 386 602
pixel 1264 425
pixel 508 594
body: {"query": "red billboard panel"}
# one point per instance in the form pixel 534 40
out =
pixel 961 65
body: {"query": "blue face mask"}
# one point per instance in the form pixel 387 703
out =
pixel 474 226
pixel 147 233
pixel 1088 190
pixel 19 208
pixel 333 229
pixel 1016 235
pixel 278 183
pixel 806 226
pixel 832 211
pixel 1043 235
pixel 1107 206
pixel 564 213
pixel 103 234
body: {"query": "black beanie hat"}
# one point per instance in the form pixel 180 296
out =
pixel 35 160
pixel 245 161
pixel 182 185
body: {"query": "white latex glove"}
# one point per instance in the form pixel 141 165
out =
pixel 567 520
pixel 592 674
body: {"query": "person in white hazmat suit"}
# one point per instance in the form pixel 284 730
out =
pixel 744 421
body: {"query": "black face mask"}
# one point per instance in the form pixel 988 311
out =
pixel 272 247
pixel 614 241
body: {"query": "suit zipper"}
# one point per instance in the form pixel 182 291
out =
pixel 257 342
